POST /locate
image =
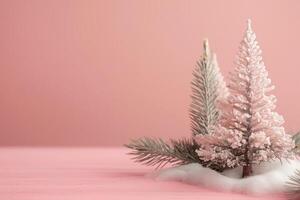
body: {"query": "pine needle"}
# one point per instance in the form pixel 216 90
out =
pixel 293 186
pixel 208 87
pixel 156 152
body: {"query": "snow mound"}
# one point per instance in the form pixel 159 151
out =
pixel 267 178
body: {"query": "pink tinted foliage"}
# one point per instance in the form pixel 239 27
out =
pixel 249 131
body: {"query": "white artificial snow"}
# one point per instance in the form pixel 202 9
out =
pixel 267 177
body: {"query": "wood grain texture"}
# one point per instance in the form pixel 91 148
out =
pixel 89 174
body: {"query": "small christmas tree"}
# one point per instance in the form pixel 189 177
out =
pixel 208 88
pixel 250 131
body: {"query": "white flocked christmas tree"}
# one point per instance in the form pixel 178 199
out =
pixel 250 131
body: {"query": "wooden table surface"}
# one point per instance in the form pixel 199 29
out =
pixel 89 174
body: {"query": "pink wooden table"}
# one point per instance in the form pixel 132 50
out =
pixel 89 174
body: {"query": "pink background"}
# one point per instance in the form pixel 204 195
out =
pixel 101 72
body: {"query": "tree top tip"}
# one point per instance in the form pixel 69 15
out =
pixel 206 47
pixel 249 24
pixel 205 41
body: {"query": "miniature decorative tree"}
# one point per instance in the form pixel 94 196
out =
pixel 250 131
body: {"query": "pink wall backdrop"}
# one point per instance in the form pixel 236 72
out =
pixel 100 72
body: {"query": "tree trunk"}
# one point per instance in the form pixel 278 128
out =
pixel 247 170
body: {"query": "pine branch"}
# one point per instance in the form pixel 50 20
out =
pixel 156 152
pixel 208 87
pixel 296 138
pixel 293 186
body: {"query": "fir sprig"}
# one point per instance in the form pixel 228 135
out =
pixel 208 87
pixel 293 186
pixel 156 152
